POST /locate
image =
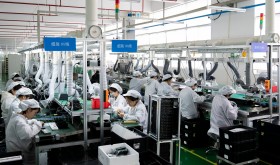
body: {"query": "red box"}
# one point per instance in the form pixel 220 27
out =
pixel 274 89
pixel 95 103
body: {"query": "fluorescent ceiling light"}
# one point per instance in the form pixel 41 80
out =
pixel 223 8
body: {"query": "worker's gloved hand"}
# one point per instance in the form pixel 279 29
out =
pixel 233 103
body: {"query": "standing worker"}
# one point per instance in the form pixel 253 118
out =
pixel 137 83
pixel 165 86
pixel 135 110
pixel 8 99
pixel 118 101
pixel 22 94
pixel 152 87
pixel 189 99
pixel 223 111
pixel 21 130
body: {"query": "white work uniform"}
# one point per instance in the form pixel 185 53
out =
pixel 150 89
pixel 13 109
pixel 118 103
pixel 5 94
pixel 189 100
pixel 6 104
pixel 137 113
pixel 19 135
pixel 165 89
pixel 137 83
pixel 222 114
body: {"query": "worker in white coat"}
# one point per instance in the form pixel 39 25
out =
pixel 22 94
pixel 137 82
pixel 223 111
pixel 152 87
pixel 21 130
pixel 135 110
pixel 189 99
pixel 165 86
pixel 9 96
pixel 12 78
pixel 118 102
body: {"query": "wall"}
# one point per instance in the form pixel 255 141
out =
pixel 14 63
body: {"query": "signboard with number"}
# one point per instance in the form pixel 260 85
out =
pixel 258 47
pixel 124 45
pixel 59 44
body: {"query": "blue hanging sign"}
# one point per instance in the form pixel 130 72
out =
pixel 258 47
pixel 124 45
pixel 59 44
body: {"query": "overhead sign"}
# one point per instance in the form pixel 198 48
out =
pixel 124 45
pixel 258 47
pixel 59 44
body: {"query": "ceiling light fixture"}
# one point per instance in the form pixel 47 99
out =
pixel 223 8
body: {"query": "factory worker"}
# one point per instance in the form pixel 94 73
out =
pixel 135 110
pixel 189 99
pixel 165 86
pixel 13 77
pixel 8 99
pixel 152 87
pixel 223 111
pixel 22 94
pixel 137 83
pixel 21 130
pixel 118 102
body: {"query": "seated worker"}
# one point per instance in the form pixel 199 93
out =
pixel 152 87
pixel 189 99
pixel 223 111
pixel 21 130
pixel 165 86
pixel 95 77
pixel 137 83
pixel 118 101
pixel 8 99
pixel 135 110
pixel 22 94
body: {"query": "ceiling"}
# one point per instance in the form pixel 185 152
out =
pixel 18 18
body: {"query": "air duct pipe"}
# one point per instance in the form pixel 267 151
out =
pixel 190 68
pixel 136 65
pixel 46 79
pixel 269 17
pixel 155 68
pixel 212 70
pixel 69 74
pixel 116 66
pixel 176 72
pixel 147 67
pixel 27 62
pixel 40 71
pixel 54 75
pixel 238 77
pixel 166 66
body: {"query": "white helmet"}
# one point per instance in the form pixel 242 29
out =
pixel 30 103
pixel 24 91
pixel 166 76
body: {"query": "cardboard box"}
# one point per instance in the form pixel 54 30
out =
pixel 132 157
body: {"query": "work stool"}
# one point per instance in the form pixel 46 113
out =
pixel 216 145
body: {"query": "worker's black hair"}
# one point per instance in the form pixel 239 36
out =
pixel 27 96
pixel 15 88
pixel 113 89
pixel 32 109
pixel 131 98
pixel 168 79
pixel 154 77
pixel 17 75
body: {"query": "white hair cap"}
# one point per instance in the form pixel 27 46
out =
pixel 134 94
pixel 227 90
pixel 18 78
pixel 13 75
pixel 117 87
pixel 24 91
pixel 166 76
pixel 137 73
pixel 12 85
pixel 153 74
pixel 30 103
pixel 191 82
pixel 21 83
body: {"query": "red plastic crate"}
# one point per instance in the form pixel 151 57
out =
pixel 95 103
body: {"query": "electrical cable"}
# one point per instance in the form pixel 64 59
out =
pixel 253 72
pixel 214 19
pixel 226 69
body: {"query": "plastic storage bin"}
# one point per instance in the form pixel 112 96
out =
pixel 237 133
pixel 95 103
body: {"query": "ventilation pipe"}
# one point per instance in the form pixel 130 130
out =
pixel 46 79
pixel 69 74
pixel 147 67
pixel 248 75
pixel 190 68
pixel 212 70
pixel 136 65
pixel 62 73
pixel 40 71
pixel 269 17
pixel 238 77
pixel 155 68
pixel 166 66
pixel 116 66
pixel 27 62
pixel 176 72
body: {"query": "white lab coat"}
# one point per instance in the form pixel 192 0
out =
pixel 222 114
pixel 137 83
pixel 137 113
pixel 118 103
pixel 13 109
pixel 165 89
pixel 19 135
pixel 150 89
pixel 5 94
pixel 6 104
pixel 189 100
